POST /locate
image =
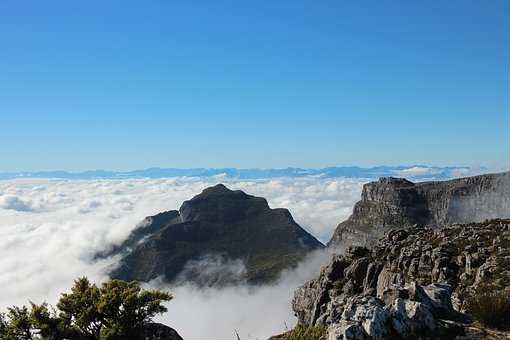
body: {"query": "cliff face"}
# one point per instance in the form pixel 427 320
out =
pixel 218 237
pixel 413 284
pixel 394 203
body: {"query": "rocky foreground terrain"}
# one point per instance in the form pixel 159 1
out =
pixel 219 237
pixel 414 283
pixel 395 203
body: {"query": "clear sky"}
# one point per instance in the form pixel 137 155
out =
pixel 134 84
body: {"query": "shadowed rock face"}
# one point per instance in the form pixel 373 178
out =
pixel 395 202
pixel 158 331
pixel 218 227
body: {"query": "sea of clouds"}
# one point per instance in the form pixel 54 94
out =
pixel 50 231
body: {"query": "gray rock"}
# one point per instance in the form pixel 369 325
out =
pixel 347 330
pixel 394 292
pixel 411 318
pixel 370 313
pixel 158 331
pixel 440 300
pixel 357 272
pixel 383 293
pixel 395 203
pixel 370 281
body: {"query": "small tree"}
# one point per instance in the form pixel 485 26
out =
pixel 79 310
pixel 126 308
pixel 118 310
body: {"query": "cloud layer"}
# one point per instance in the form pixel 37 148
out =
pixel 50 230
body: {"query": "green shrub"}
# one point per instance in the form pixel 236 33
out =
pixel 491 308
pixel 117 310
pixel 306 333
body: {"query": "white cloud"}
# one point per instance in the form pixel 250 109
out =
pixel 50 230
pixel 255 313
pixel 417 171
pixel 14 203
pixel 213 270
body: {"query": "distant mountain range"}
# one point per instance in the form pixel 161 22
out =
pixel 413 171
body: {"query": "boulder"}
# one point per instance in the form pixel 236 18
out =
pixel 411 318
pixel 347 330
pixel 370 313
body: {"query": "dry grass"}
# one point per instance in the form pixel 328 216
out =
pixel 491 308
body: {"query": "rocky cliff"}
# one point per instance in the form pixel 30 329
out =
pixel 413 284
pixel 395 202
pixel 218 237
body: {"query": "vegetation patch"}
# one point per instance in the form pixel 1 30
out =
pixel 491 308
pixel 301 332
pixel 117 310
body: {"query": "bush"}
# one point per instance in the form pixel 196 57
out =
pixel 306 333
pixel 117 310
pixel 491 308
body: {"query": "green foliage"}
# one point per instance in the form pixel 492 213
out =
pixel 306 333
pixel 45 321
pixel 3 324
pixel 491 308
pixel 19 324
pixel 126 308
pixel 117 310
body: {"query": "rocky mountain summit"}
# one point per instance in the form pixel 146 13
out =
pixel 395 203
pixel 414 283
pixel 218 237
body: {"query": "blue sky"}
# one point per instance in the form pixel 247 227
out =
pixel 123 84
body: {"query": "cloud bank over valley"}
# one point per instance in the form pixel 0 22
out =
pixel 50 230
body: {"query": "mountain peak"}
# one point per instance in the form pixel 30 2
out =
pixel 217 223
pixel 216 189
pixel 219 203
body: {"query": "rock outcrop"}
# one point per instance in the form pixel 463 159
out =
pixel 158 331
pixel 218 237
pixel 412 284
pixel 395 203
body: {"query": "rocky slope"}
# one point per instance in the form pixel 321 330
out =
pixel 218 237
pixel 413 284
pixel 394 202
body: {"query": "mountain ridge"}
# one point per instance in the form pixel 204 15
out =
pixel 396 202
pixel 414 171
pixel 226 227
